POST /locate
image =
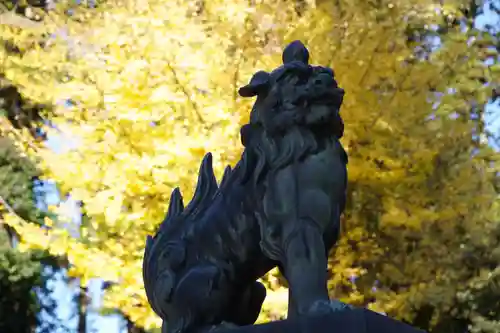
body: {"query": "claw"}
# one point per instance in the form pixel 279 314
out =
pixel 326 307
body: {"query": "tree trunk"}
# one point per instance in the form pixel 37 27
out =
pixel 82 303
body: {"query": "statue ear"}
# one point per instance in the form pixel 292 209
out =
pixel 258 84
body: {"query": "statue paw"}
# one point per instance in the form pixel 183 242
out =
pixel 330 306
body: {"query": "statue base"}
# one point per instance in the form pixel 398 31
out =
pixel 345 321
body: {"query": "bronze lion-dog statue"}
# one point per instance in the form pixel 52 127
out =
pixel 279 207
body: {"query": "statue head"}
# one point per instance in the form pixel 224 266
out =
pixel 295 94
pixel 296 112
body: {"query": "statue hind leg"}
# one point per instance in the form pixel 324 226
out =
pixel 245 308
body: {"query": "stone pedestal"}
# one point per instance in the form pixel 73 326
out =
pixel 347 321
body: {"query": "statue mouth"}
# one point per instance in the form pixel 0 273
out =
pixel 326 96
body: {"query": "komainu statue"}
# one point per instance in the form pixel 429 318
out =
pixel 280 206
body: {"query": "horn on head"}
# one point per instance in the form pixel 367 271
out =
pixel 295 51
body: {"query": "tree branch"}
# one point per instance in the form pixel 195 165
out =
pixel 186 93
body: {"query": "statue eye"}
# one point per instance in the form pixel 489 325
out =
pixel 324 79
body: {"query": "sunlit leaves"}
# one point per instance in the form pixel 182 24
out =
pixel 146 89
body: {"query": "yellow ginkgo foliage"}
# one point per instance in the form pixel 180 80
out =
pixel 146 88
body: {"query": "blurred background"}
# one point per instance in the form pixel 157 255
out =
pixel 106 106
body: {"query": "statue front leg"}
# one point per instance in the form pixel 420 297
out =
pixel 299 248
pixel 304 266
pixel 298 209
